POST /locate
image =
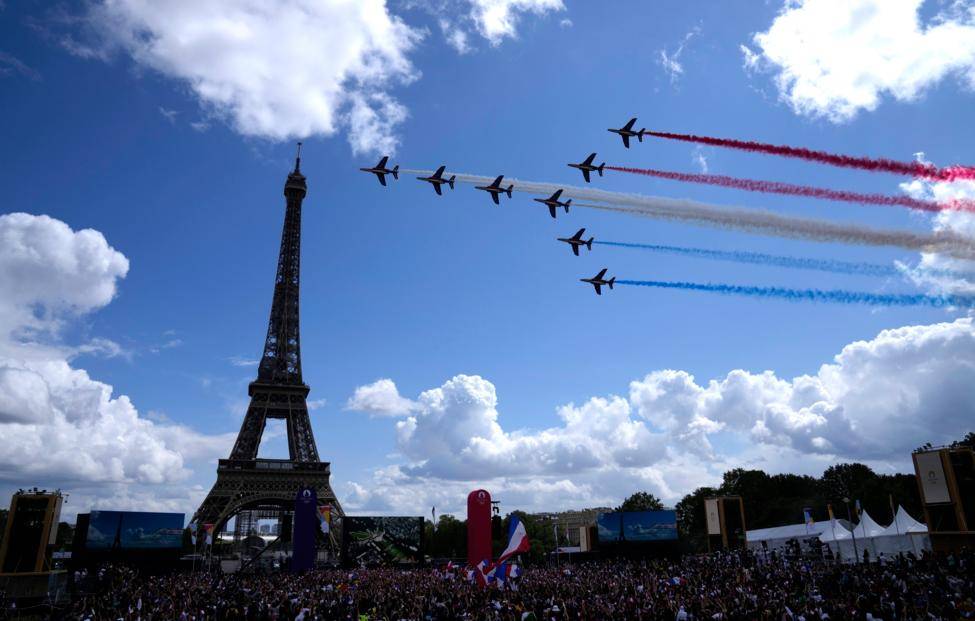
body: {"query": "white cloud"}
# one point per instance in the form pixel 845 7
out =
pixel 169 115
pixel 89 438
pixel 275 70
pixel 700 159
pixel 497 19
pixel 835 59
pixel 455 35
pixel 875 401
pixel 380 398
pixel 671 62
pixel 240 361
pixel 10 65
pixel 316 404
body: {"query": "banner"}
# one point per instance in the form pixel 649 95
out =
pixel 712 515
pixel 325 518
pixel 478 527
pixel 931 474
pixel 303 535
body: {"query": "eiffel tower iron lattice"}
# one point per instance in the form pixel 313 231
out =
pixel 244 481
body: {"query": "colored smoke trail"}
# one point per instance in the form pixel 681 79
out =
pixel 913 169
pixel 758 258
pixel 749 220
pixel 777 187
pixel 814 295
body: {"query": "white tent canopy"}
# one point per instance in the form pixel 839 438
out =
pixel 904 534
pixel 775 538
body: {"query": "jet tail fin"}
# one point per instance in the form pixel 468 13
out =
pixel 566 205
pixel 451 182
pixel 589 243
pixel 600 169
pixel 611 282
pixel 639 136
pixel 395 172
pixel 508 191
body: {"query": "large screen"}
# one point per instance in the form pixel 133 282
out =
pixel 650 525
pixel 383 540
pixel 134 530
pixel 608 526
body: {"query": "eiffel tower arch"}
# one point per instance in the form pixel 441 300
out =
pixel 249 487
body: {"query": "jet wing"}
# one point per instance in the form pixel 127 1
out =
pixel 626 140
pixel 588 160
pixel 551 210
pixel 494 195
pixel 382 162
pixel 600 275
pixel 599 290
pixel 578 234
pixel 497 182
pixel 585 173
pixel 575 249
pixel 436 186
pixel 439 172
pixel 629 125
pixel 382 178
pixel 556 196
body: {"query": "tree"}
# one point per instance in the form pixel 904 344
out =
pixel 641 501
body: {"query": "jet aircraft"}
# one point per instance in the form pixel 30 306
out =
pixel 495 188
pixel 587 166
pixel 437 180
pixel 576 240
pixel 626 132
pixel 381 171
pixel 598 281
pixel 552 202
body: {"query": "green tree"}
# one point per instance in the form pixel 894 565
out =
pixel 641 501
pixel 691 520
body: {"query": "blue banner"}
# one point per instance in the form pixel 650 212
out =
pixel 306 525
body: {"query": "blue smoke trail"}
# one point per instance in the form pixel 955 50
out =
pixel 822 265
pixel 815 295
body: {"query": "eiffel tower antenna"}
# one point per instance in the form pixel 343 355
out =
pixel 246 484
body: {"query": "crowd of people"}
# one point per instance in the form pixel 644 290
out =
pixel 727 585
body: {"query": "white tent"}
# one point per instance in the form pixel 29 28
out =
pixel 905 534
pixel 839 539
pixel 777 537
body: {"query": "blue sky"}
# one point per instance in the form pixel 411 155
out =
pixel 103 129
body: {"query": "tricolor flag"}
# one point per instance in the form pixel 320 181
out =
pixel 858 508
pixel 193 530
pixel 517 540
pixel 208 528
pixel 807 515
pixel 483 573
pixel 325 518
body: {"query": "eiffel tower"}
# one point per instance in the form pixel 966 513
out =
pixel 249 487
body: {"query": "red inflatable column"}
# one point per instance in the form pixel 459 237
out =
pixel 478 527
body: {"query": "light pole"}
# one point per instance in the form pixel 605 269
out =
pixel 853 533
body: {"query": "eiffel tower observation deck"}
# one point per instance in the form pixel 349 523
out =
pixel 249 487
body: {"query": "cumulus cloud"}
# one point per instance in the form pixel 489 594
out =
pixel 497 19
pixel 380 398
pixel 670 61
pixel 89 437
pixel 278 70
pixel 835 59
pixel 875 401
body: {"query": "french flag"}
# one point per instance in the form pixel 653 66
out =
pixel 517 540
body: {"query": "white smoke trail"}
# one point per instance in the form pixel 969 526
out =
pixel 749 220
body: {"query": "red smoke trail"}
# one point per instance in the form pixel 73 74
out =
pixel 776 187
pixel 913 169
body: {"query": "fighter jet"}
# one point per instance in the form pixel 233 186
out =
pixel 586 167
pixel 495 188
pixel 553 202
pixel 598 281
pixel 576 240
pixel 626 132
pixel 381 171
pixel 437 180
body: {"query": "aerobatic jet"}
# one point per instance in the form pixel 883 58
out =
pixel 381 171
pixel 495 188
pixel 552 202
pixel 576 240
pixel 437 180
pixel 587 166
pixel 598 281
pixel 626 132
